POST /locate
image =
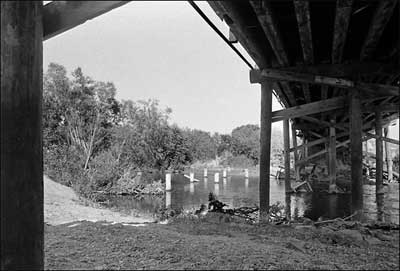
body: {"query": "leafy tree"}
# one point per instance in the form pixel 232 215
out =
pixel 246 141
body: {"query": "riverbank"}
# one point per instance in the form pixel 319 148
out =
pixel 62 205
pixel 217 241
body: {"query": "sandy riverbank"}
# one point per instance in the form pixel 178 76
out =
pixel 62 205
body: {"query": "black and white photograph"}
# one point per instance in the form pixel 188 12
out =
pixel 200 135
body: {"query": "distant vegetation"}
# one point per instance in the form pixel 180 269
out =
pixel 91 140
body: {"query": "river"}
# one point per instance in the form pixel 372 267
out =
pixel 236 191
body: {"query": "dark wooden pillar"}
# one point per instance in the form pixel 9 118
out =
pixel 21 135
pixel 378 152
pixel 286 147
pixel 356 149
pixel 332 156
pixel 265 148
pixel 295 154
pixel 389 161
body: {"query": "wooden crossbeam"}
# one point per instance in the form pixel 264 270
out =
pixel 392 107
pixel 275 74
pixel 350 70
pixel 386 139
pixel 342 20
pixel 308 109
pixel 381 17
pixel 302 9
pixel 60 16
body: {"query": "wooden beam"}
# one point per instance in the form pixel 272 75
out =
pixel 295 153
pixel 275 74
pixel 268 24
pixel 383 138
pixel 281 95
pixel 261 53
pixel 324 92
pixel 388 107
pixel 322 152
pixel 332 156
pixel 389 161
pixel 302 10
pixel 381 17
pixel 306 91
pixel 60 16
pixel 21 220
pixel 342 20
pixel 379 152
pixel 308 109
pixel 349 70
pixel 286 147
pixel 265 147
pixel 356 150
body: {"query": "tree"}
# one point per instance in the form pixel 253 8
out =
pixel 246 141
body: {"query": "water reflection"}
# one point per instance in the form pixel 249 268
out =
pixel 238 191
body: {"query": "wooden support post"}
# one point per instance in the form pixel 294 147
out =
pixel 389 161
pixel 265 148
pixel 332 156
pixel 356 150
pixel 286 147
pixel 379 152
pixel 21 135
pixel 295 153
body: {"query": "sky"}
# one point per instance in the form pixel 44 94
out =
pixel 165 51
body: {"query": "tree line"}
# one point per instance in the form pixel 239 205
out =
pixel 91 139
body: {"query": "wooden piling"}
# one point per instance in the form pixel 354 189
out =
pixel 295 154
pixel 356 149
pixel 389 161
pixel 378 152
pixel 265 147
pixel 286 147
pixel 21 135
pixel 168 181
pixel 332 156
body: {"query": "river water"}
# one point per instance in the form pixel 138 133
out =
pixel 236 191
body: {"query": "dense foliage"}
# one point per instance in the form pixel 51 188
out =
pixel 91 140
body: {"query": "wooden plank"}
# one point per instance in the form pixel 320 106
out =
pixel 275 74
pixel 386 107
pixel 21 136
pixel 342 20
pixel 308 109
pixel 381 17
pixel 379 152
pixel 60 16
pixel 302 10
pixel 356 150
pixel 265 147
pixel 286 147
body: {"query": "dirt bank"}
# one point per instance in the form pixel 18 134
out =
pixel 216 242
pixel 62 205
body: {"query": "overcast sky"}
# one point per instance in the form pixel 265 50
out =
pixel 165 51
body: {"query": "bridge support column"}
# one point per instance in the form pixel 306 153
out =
pixel 286 147
pixel 265 148
pixel 379 153
pixel 21 135
pixel 332 156
pixel 295 154
pixel 356 149
pixel 389 161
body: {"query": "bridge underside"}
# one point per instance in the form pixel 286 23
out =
pixel 333 65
